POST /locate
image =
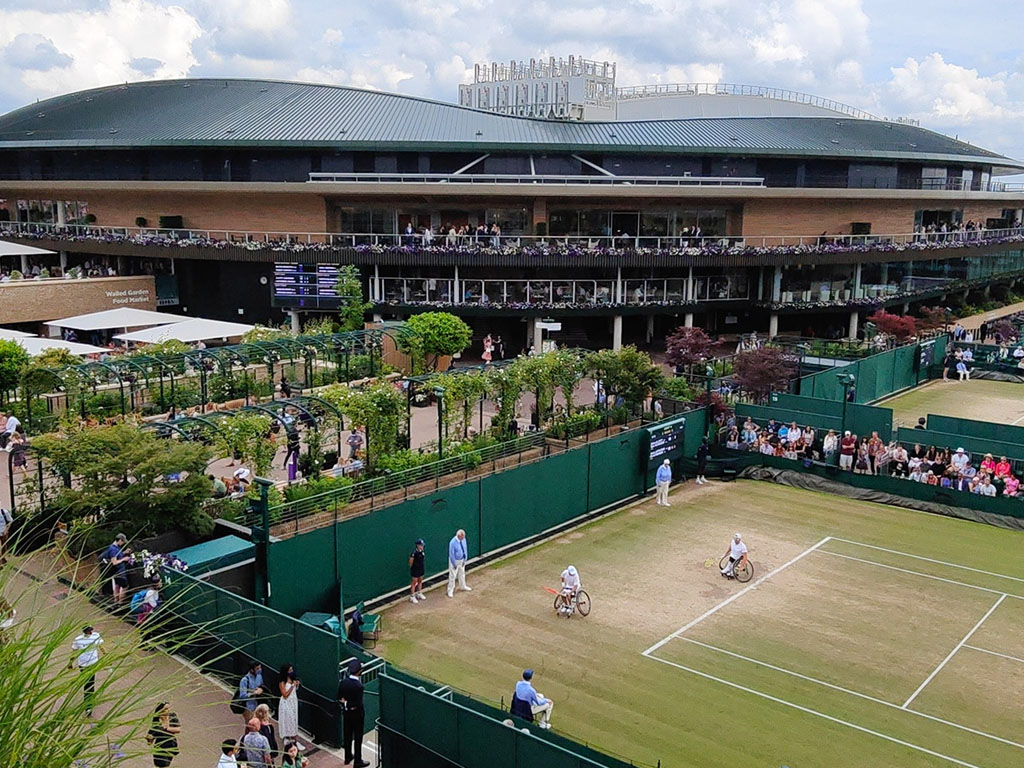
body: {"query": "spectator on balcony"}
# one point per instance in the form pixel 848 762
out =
pixel 1011 485
pixel 1003 468
pixel 794 434
pixel 988 464
pixel 900 461
pixel 410 235
pixel 960 460
pixel 495 233
pixel 985 487
pixel 453 237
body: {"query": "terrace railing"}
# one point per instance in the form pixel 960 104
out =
pixel 682 243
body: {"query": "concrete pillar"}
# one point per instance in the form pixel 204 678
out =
pixel 375 291
pixel 760 282
pixel 988 289
pixel 296 322
pixel 618 286
pixel 690 293
pixel 885 273
pixel 63 261
pixel 538 336
pixel 617 332
pixel 650 328
pixel 24 264
pixel 777 284
pixel 122 265
pixel 62 214
pixel 906 307
pixel 540 212
pixel 688 319
pixel 457 292
pixel 854 323
pixel 773 324
pixel 856 280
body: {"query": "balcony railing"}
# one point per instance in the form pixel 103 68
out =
pixel 560 180
pixel 527 245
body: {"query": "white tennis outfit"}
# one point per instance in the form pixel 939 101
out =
pixel 737 549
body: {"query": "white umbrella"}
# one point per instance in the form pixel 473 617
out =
pixel 123 317
pixel 197 329
pixel 10 334
pixel 17 249
pixel 35 346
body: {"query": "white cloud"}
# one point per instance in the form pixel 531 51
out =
pixel 934 87
pixel 101 44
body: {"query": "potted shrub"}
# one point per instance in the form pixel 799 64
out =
pixel 140 221
pixel 90 218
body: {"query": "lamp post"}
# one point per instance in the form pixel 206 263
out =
pixel 847 380
pixel 709 374
pixel 439 394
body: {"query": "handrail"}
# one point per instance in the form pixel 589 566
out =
pixel 560 179
pixel 681 243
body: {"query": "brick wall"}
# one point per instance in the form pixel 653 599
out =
pixel 252 212
pixel 26 301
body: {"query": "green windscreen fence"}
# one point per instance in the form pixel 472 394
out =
pixel 268 636
pixel 418 726
pixel 860 419
pixel 367 556
pixel 1006 433
pixel 879 375
pixel 976 446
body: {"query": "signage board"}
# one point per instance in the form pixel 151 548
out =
pixel 665 441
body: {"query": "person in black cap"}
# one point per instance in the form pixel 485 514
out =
pixel 416 570
pixel 350 696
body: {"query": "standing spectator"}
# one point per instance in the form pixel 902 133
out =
pixel 417 568
pixel 6 520
pixel 457 556
pixel 262 713
pixel 250 688
pixel 538 704
pixel 115 557
pixel 255 746
pixel 288 707
pixel 88 646
pixel 355 629
pixel 292 758
pixel 293 445
pixel 350 694
pixel 162 735
pixel 150 600
pixel 847 447
pixel 355 441
pixel 499 347
pixel 830 445
pixel 663 479
pixel 286 388
pixel 702 461
pixel 228 749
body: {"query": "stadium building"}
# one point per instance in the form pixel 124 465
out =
pixel 547 193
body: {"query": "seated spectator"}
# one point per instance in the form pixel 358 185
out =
pixel 772 427
pixel 783 432
pixel 900 461
pixel 969 471
pixel 960 459
pixel 985 487
pixel 962 371
pixel 794 434
pixel 1011 485
pixel 948 478
pixel 916 475
pixel 988 464
pixel 749 435
pixel 733 440
pixel 1003 468
pixel 766 447
pixel 220 489
pixel 968 355
pixel 809 435
pixel 931 479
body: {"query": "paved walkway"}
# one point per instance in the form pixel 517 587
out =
pixel 200 702
pixel 974 321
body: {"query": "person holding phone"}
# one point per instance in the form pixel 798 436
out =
pixel 288 707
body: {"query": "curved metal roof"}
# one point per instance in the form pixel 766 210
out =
pixel 267 113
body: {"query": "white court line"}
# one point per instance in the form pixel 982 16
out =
pixel 857 693
pixel 928 559
pixel 959 645
pixel 822 715
pixel 721 605
pixel 994 653
pixel 922 575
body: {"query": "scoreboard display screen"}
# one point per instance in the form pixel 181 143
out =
pixel 665 441
pixel 310 286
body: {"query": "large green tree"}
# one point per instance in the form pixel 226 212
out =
pixel 13 360
pixel 378 407
pixel 129 479
pixel 434 335
pixel 627 373
pixel 349 288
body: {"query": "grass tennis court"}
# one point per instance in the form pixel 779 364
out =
pixel 881 636
pixel 1001 402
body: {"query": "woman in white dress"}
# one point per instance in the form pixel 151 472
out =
pixel 288 707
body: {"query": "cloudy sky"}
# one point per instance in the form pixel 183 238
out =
pixel 953 65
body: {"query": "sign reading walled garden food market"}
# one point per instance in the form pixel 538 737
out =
pixel 26 301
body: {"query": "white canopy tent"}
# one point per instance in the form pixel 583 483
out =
pixel 8 248
pixel 197 329
pixel 36 345
pixel 12 335
pixel 123 317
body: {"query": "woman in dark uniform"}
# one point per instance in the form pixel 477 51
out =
pixel 416 570
pixel 702 461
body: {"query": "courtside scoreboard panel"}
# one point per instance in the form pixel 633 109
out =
pixel 665 440
pixel 310 286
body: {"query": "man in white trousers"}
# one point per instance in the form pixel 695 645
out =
pixel 457 556
pixel 663 478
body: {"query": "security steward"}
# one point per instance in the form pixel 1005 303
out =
pixel 350 698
